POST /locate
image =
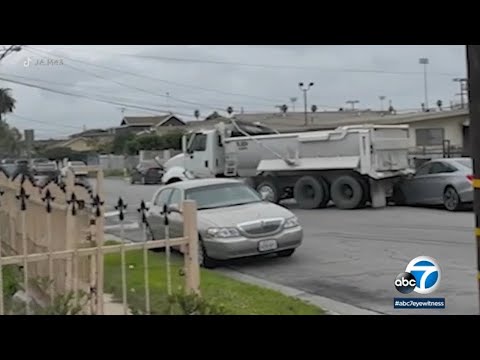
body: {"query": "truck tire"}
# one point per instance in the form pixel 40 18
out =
pixel 311 193
pixel 348 193
pixel 271 189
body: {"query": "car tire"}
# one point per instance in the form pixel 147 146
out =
pixel 399 197
pixel 451 199
pixel 311 193
pixel 203 259
pixel 270 187
pixel 286 253
pixel 348 193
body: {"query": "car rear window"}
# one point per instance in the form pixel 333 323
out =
pixel 466 162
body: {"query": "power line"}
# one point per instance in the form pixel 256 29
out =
pixel 116 98
pixel 272 66
pixel 269 100
pixel 129 86
pixel 128 106
pixel 44 122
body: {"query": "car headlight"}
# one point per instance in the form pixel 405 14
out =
pixel 291 222
pixel 223 232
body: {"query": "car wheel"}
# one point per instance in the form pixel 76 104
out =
pixel 203 259
pixel 286 253
pixel 269 190
pixel 451 199
pixel 399 196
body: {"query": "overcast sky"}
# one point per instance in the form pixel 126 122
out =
pixel 213 77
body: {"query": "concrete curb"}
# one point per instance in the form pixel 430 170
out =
pixel 332 307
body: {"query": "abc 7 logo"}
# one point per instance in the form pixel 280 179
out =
pixel 405 283
pixel 422 275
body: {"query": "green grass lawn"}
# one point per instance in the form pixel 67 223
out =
pixel 236 298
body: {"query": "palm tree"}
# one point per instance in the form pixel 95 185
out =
pixel 314 108
pixel 7 102
pixel 439 104
pixel 197 114
pixel 230 111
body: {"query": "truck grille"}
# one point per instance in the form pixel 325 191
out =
pixel 262 227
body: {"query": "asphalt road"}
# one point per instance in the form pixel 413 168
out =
pixel 354 256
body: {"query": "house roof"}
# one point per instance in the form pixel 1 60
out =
pixel 91 133
pixel 331 121
pixel 148 120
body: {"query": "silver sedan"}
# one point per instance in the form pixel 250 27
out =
pixel 233 220
pixel 446 182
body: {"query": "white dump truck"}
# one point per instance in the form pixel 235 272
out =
pixel 349 166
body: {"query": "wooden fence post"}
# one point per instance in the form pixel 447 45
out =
pixel 70 227
pixel 192 269
pixel 98 206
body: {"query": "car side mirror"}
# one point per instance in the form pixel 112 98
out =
pixel 174 208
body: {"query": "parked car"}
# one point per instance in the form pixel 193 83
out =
pixel 446 182
pixel 233 220
pixel 44 167
pixel 8 168
pixel 147 173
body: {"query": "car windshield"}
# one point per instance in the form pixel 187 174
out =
pixel 465 162
pixel 224 195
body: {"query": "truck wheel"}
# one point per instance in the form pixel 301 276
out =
pixel 311 193
pixel 348 193
pixel 270 191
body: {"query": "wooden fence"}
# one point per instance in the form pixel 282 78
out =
pixel 55 231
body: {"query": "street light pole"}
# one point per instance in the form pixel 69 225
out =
pixel 382 98
pixel 305 89
pixel 353 102
pixel 473 60
pixel 425 62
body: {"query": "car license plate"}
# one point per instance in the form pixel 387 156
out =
pixel 267 245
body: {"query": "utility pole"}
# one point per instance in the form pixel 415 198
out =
pixel 382 98
pixel 463 89
pixel 425 62
pixel 473 60
pixel 12 48
pixel 353 102
pixel 305 89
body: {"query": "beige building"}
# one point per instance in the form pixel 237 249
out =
pixel 79 144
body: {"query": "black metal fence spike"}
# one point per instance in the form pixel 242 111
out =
pixel 74 202
pixel 23 196
pixel 165 214
pixel 97 203
pixel 48 199
pixel 143 209
pixel 121 206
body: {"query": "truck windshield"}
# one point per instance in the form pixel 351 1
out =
pixel 224 195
